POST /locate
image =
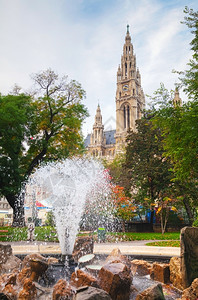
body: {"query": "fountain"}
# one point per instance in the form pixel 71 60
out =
pixel 66 186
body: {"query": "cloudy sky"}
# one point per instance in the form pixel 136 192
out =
pixel 84 39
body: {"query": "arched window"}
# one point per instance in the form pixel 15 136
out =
pixel 138 111
pixel 125 69
pixel 93 153
pixel 96 152
pixel 120 94
pixel 124 117
pixel 133 92
pixel 128 116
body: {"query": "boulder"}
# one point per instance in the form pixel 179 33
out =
pixel 191 293
pixel 189 255
pixel 83 245
pixel 155 292
pixel 81 278
pixel 38 268
pixel 3 297
pixel 23 275
pixel 10 291
pixel 160 272
pixel 34 256
pixel 28 292
pixel 175 273
pixel 5 252
pixel 12 263
pixel 141 267
pixel 93 269
pixel 115 279
pixel 8 262
pixel 62 290
pixel 91 293
pixel 117 257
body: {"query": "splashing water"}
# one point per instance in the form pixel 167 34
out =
pixel 65 186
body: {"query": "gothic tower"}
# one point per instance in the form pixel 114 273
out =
pixel 130 100
pixel 97 138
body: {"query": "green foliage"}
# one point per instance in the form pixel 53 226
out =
pixel 44 233
pixel 179 126
pixel 189 78
pixel 50 219
pixel 34 129
pixel 195 223
pixel 145 165
pixel 15 128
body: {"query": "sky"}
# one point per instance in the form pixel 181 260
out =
pixel 84 38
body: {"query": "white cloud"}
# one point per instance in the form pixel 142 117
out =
pixel 86 43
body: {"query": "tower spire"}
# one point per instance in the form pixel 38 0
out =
pixel 127 28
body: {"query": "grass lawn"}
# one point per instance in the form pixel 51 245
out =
pixel 139 236
pixel 165 244
pixel 49 234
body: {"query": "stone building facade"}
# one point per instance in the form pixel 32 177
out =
pixel 130 102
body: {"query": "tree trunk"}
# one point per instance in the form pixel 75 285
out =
pixel 17 204
pixel 188 210
pixel 123 226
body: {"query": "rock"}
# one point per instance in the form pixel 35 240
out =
pixel 91 293
pixel 38 268
pixel 83 245
pixel 5 252
pixel 10 291
pixel 191 293
pixel 189 255
pixel 116 256
pixel 30 257
pixel 52 261
pixel 62 290
pixel 29 291
pixel 115 279
pixel 12 279
pixel 154 292
pixel 10 265
pixel 81 278
pixel 141 267
pixel 85 259
pixel 23 275
pixel 160 272
pixel 3 297
pixel 175 273
pixel 93 269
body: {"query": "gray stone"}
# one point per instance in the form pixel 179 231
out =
pixel 115 279
pixel 91 293
pixel 189 255
pixel 5 252
pixel 83 245
pixel 155 292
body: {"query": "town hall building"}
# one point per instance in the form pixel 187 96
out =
pixel 130 103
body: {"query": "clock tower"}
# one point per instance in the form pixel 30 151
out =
pixel 130 100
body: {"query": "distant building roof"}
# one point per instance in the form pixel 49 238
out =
pixel 87 140
pixel 110 139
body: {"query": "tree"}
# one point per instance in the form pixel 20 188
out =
pixel 43 127
pixel 145 166
pixel 124 208
pixel 189 78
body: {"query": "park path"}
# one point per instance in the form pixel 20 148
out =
pixel 127 248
